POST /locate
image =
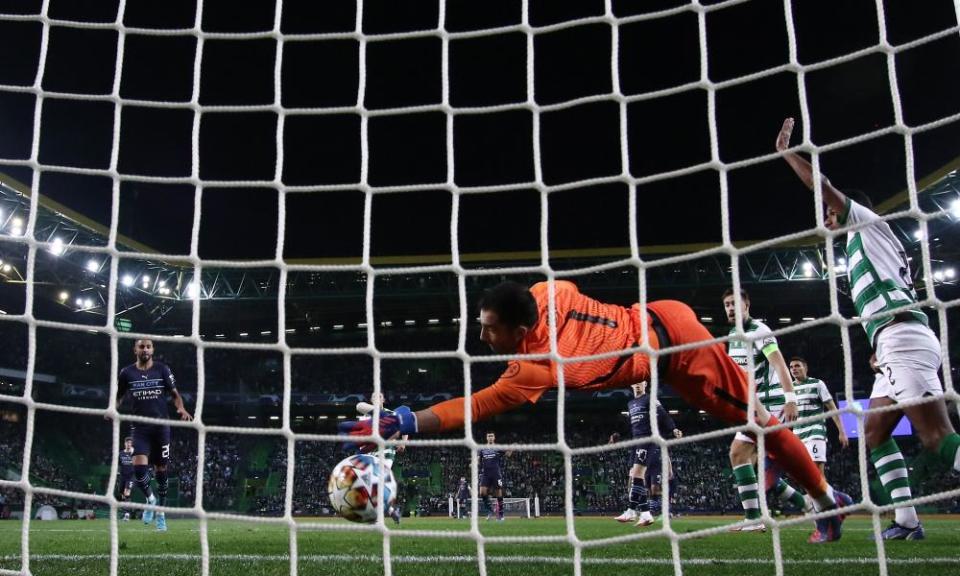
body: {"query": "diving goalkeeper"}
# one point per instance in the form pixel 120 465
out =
pixel 514 320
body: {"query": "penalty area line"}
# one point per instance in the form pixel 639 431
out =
pixel 473 559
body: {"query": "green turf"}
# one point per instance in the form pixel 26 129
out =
pixel 83 547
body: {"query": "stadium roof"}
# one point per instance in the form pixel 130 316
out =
pixel 668 158
pixel 848 94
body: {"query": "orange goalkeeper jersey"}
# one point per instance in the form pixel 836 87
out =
pixel 585 327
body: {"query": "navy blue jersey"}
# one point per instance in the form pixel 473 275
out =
pixel 126 463
pixel 148 388
pixel 463 490
pixel 638 411
pixel 490 460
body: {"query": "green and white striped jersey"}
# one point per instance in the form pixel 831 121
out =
pixel 878 270
pixel 812 397
pixel 769 389
pixel 389 452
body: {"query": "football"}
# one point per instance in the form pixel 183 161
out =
pixel 354 488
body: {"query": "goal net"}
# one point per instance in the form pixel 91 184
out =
pixel 517 507
pixel 624 146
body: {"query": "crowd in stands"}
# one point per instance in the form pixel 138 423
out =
pixel 44 471
pixel 221 462
pixel 702 477
pixel 315 460
pixel 702 480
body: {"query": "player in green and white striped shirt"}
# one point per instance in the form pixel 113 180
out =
pixel 814 399
pixel 770 370
pixel 907 351
pixel 365 412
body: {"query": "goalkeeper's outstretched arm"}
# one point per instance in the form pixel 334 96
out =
pixel 521 382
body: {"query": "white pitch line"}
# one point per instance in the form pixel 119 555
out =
pixel 316 558
pixel 100 530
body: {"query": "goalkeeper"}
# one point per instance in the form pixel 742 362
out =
pixel 514 320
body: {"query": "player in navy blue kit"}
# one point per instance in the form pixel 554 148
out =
pixel 125 465
pixel 645 464
pixel 462 497
pixel 491 476
pixel 148 383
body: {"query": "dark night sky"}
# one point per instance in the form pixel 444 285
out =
pixel 577 143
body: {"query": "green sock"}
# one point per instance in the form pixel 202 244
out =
pixel 748 488
pixel 950 450
pixel 892 470
pixel 788 493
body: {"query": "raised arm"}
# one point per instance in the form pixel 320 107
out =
pixel 831 196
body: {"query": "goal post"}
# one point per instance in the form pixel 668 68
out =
pixel 519 507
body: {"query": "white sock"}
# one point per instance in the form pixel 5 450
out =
pixel 907 517
pixel 825 501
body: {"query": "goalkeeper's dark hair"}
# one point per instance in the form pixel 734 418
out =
pixel 860 197
pixel 513 303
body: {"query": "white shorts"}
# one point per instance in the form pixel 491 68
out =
pixel 817 449
pixel 908 355
pixel 744 438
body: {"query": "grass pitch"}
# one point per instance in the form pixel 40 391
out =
pixel 440 546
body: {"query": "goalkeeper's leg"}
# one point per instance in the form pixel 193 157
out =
pixel 709 379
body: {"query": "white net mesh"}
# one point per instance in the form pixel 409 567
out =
pixel 33 244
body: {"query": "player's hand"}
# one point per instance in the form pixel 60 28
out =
pixel 677 433
pixel 615 437
pixel 783 138
pixel 844 441
pixel 789 412
pixel 402 421
pixel 185 416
